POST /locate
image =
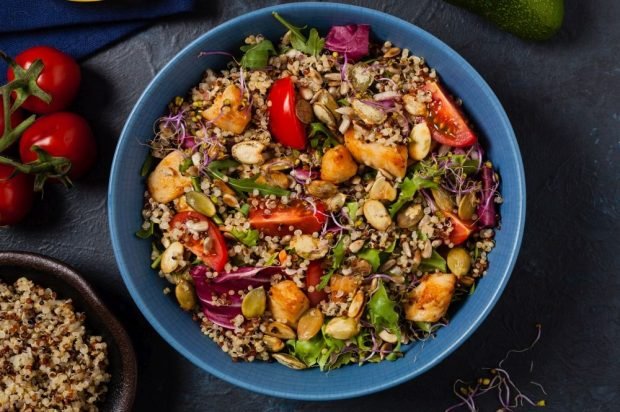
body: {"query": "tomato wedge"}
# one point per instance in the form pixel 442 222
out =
pixel 460 229
pixel 448 123
pixel 313 278
pixel 216 255
pixel 298 215
pixel 283 122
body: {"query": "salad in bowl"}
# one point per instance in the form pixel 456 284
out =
pixel 321 201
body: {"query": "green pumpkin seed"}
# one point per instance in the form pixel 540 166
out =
pixel 467 206
pixel 443 199
pixel 253 305
pixel 309 324
pixel 459 261
pixel 200 203
pixel 289 361
pixel 184 292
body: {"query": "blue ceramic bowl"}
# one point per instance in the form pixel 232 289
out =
pixel 176 327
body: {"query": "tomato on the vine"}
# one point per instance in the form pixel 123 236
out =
pixel 62 135
pixel 16 118
pixel 16 195
pixel 60 78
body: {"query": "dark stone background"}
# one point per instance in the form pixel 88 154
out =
pixel 562 98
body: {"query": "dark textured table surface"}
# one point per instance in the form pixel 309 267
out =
pixel 562 98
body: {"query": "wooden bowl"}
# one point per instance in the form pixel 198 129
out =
pixel 67 283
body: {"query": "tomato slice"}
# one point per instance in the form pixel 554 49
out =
pixel 298 215
pixel 283 122
pixel 217 254
pixel 448 123
pixel 460 229
pixel 313 278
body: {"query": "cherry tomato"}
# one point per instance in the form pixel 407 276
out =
pixel 16 118
pixel 460 229
pixel 216 254
pixel 60 78
pixel 64 135
pixel 297 214
pixel 448 122
pixel 16 195
pixel 283 121
pixel 313 278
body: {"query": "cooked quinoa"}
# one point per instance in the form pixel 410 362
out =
pixel 47 360
pixel 335 253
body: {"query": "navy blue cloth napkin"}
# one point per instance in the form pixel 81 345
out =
pixel 78 29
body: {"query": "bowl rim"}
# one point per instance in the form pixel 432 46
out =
pixel 66 274
pixel 512 253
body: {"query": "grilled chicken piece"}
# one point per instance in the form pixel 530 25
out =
pixel 287 302
pixel 429 301
pixel 228 111
pixel 337 165
pixel 166 182
pixel 391 161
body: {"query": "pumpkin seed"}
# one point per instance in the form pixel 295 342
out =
pixel 185 294
pixel 342 328
pixel 376 215
pixel 361 77
pixel 289 361
pixel 443 199
pixel 467 206
pixel 253 305
pixel 324 115
pixel 410 217
pixel 200 203
pixel 280 330
pixel 309 324
pixel 458 261
pixel 273 344
pixel 357 305
pixel 171 257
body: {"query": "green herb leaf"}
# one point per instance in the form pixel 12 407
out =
pixel 330 140
pixel 372 256
pixel 185 164
pixel 271 259
pixel 196 183
pixel 352 208
pixel 217 219
pixel 156 262
pixel 256 56
pixel 343 102
pixel 313 45
pixel 308 351
pixel 436 261
pixel 247 237
pixel 382 311
pixel 146 233
pixel 425 326
pixel 408 189
pixel 241 185
pixel 337 257
pixel 317 127
pixel 147 165
pixel 245 209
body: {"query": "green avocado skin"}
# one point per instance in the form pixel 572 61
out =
pixel 528 19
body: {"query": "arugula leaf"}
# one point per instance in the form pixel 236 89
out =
pixel 337 257
pixel 313 45
pixel 408 189
pixel 147 165
pixel 352 208
pixel 247 237
pixel 146 233
pixel 436 261
pixel 257 55
pixel 329 142
pixel 318 127
pixel 241 185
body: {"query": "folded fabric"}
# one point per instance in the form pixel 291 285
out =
pixel 78 29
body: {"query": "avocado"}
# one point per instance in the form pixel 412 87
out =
pixel 528 19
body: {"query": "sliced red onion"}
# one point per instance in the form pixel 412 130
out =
pixel 389 95
pixel 429 200
pixel 304 176
pixel 487 216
